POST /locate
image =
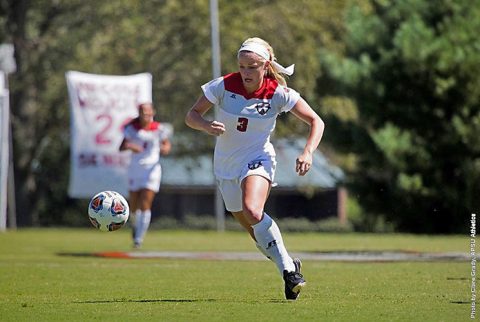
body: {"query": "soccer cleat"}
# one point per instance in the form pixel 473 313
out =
pixel 294 281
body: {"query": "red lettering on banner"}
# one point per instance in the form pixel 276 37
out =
pixel 109 160
pixel 119 160
pixel 105 97
pixel 87 160
pixel 102 137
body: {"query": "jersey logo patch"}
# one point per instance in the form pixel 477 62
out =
pixel 262 107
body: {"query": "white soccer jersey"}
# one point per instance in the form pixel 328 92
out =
pixel 149 138
pixel 248 118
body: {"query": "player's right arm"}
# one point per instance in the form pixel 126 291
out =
pixel 127 145
pixel 127 142
pixel 195 119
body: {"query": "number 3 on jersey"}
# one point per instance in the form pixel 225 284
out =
pixel 242 123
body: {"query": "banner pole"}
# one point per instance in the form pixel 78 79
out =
pixel 7 66
pixel 219 207
pixel 4 153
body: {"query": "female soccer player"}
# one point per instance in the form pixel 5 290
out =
pixel 247 105
pixel 147 139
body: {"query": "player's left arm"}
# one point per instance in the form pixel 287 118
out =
pixel 304 112
pixel 165 146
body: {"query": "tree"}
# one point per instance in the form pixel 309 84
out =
pixel 411 69
pixel 168 38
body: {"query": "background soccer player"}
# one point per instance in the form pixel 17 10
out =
pixel 147 139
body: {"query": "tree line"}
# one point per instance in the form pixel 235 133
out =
pixel 396 82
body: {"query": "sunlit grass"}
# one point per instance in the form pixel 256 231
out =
pixel 36 284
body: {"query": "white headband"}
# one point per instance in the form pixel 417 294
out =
pixel 262 51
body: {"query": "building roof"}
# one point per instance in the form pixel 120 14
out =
pixel 198 171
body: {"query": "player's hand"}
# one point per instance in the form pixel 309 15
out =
pixel 135 148
pixel 303 163
pixel 215 128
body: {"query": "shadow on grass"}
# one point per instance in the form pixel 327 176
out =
pixel 145 301
pixel 173 301
pixel 460 302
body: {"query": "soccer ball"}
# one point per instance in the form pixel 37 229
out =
pixel 108 211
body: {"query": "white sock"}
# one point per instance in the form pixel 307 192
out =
pixel 270 240
pixel 133 220
pixel 262 251
pixel 141 225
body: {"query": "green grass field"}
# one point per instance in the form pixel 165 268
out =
pixel 37 284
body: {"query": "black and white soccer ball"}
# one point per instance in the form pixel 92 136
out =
pixel 108 211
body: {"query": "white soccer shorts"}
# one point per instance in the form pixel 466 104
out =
pixel 141 178
pixel 231 189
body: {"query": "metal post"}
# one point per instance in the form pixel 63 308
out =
pixel 219 207
pixel 215 38
pixel 4 152
pixel 11 200
pixel 8 66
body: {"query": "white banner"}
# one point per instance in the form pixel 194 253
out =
pixel 100 106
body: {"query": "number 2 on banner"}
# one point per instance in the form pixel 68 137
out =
pixel 242 124
pixel 101 137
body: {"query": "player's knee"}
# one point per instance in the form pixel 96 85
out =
pixel 252 213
